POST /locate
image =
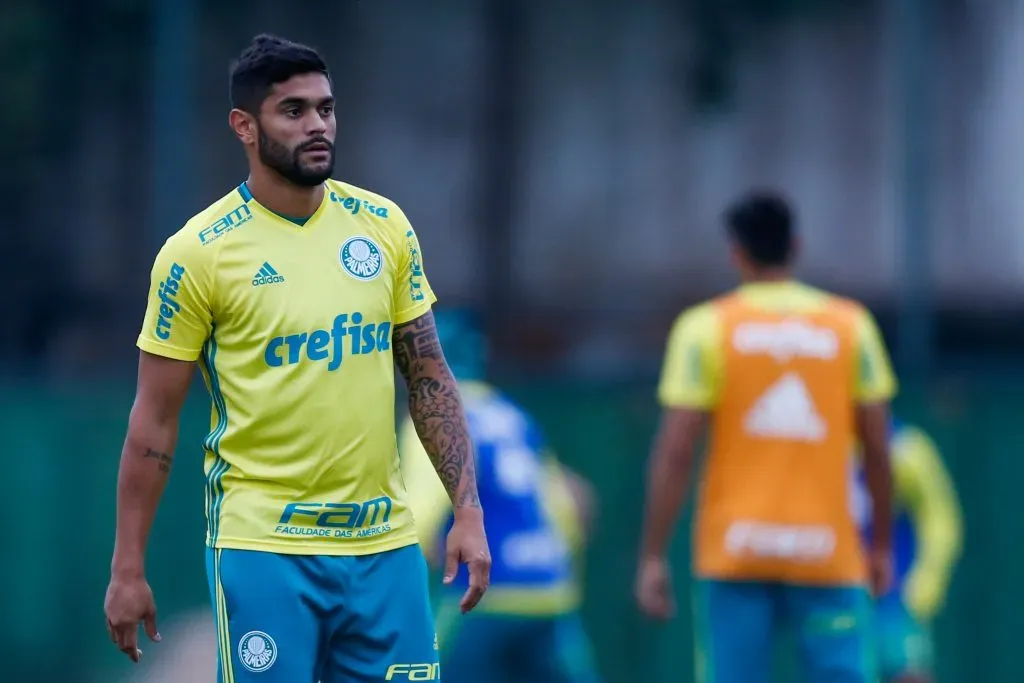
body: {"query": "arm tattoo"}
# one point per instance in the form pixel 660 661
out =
pixel 163 460
pixel 436 409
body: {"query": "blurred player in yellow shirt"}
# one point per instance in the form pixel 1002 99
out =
pixel 788 378
pixel 528 629
pixel 927 539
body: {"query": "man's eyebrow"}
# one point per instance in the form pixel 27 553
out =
pixel 304 102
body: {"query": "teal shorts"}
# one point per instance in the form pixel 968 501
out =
pixel 904 645
pixel 309 619
pixel 495 648
pixel 737 625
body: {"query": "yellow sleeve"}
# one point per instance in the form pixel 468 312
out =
pixel 425 494
pixel 559 504
pixel 412 293
pixel 875 381
pixel 691 373
pixel 924 486
pixel 179 313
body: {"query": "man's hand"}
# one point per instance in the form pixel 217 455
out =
pixel 467 544
pixel 654 592
pixel 130 601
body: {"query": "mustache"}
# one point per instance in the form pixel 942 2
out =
pixel 315 141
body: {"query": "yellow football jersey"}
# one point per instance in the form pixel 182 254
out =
pixel 291 325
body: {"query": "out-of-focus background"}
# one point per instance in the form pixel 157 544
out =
pixel 565 164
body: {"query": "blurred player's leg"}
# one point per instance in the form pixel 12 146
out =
pixel 559 652
pixel 267 627
pixel 834 631
pixel 904 646
pixel 476 646
pixel 384 628
pixel 734 624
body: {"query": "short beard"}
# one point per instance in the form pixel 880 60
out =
pixel 287 163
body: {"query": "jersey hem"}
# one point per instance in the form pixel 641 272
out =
pixel 871 397
pixel 675 402
pixel 416 311
pixel 165 350
pixel 730 577
pixel 348 549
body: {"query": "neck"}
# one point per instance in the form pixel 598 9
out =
pixel 768 275
pixel 281 196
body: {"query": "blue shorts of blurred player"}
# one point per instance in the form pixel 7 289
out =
pixel 500 648
pixel 737 624
pixel 904 645
pixel 303 619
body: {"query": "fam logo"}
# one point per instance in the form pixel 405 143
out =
pixel 225 224
pixel 361 258
pixel 167 291
pixel 257 651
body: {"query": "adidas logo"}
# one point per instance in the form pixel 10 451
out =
pixel 786 411
pixel 266 275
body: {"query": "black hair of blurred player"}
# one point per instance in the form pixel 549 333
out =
pixel 762 230
pixel 283 113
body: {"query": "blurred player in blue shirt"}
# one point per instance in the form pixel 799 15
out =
pixel 528 628
pixel 927 538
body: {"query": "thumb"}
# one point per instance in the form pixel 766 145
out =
pixel 149 623
pixel 451 563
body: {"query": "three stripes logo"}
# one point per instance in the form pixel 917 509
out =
pixel 266 275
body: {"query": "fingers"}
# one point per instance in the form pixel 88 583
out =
pixel 479 579
pixel 127 640
pixel 451 563
pixel 150 626
pixel 656 600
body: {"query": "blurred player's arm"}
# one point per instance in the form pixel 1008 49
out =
pixel 925 487
pixel 875 387
pixel 177 324
pixel 569 501
pixel 688 391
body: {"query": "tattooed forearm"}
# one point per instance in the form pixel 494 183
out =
pixel 436 408
pixel 163 460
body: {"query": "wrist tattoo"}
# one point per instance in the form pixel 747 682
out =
pixel 163 460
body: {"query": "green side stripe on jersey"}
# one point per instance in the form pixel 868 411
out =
pixel 214 480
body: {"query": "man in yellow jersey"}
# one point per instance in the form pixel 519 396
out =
pixel 529 627
pixel 788 378
pixel 927 539
pixel 297 294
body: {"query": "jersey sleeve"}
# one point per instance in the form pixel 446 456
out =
pixel 413 296
pixel 926 489
pixel 874 381
pixel 558 503
pixel 691 373
pixel 179 316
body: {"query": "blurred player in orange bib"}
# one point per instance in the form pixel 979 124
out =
pixel 786 379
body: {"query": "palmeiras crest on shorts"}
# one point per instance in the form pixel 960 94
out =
pixel 257 651
pixel 361 258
